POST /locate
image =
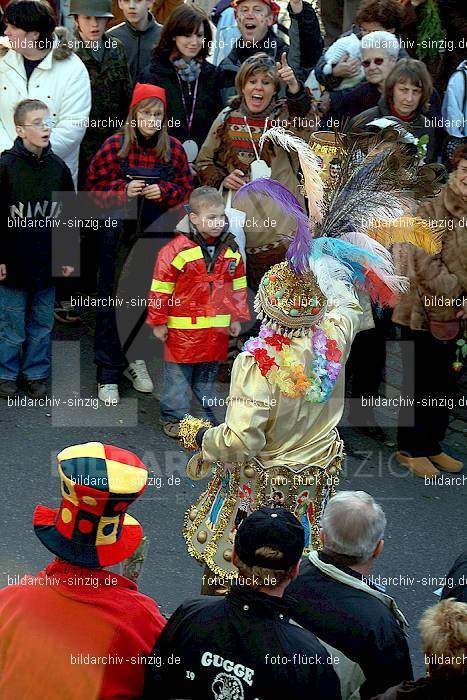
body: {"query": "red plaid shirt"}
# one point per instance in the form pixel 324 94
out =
pixel 105 173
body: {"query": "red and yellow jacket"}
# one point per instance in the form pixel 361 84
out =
pixel 198 297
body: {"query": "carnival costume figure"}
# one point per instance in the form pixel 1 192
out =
pixel 279 442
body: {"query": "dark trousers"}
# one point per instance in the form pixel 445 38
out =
pixel 108 354
pixel 365 367
pixel 429 379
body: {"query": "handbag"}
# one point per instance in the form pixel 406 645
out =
pixel 441 330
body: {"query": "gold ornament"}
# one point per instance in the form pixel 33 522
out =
pixel 202 536
pixel 197 468
pixel 249 472
pixel 227 555
pixel 325 147
pixel 189 427
pixel 193 513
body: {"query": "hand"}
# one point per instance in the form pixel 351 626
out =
pixel 346 67
pixel 235 328
pixel 67 270
pixel 235 180
pixel 152 192
pixel 135 188
pixel 324 104
pixel 161 332
pixel 287 75
pixel 296 6
pixel 2 272
pixel 462 314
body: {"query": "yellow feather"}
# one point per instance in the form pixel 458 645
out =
pixel 409 229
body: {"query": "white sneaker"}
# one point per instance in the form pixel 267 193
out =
pixel 108 393
pixel 138 374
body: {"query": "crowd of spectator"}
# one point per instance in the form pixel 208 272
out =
pixel 151 121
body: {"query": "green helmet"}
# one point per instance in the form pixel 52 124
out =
pixel 91 8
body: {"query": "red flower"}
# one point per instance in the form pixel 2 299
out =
pixel 277 341
pixel 333 354
pixel 265 362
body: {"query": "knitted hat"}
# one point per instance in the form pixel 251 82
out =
pixel 144 91
pixel 270 3
pixel 91 527
pixel 287 301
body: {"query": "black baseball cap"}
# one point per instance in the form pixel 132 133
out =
pixel 277 528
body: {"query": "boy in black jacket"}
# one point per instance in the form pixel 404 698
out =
pixel 31 180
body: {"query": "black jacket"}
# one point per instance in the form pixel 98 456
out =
pixel 353 621
pixel 243 643
pixel 30 187
pixel 456 580
pixel 423 123
pixel 162 72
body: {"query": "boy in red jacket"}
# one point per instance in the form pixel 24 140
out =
pixel 197 299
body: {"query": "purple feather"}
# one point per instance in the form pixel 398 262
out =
pixel 299 250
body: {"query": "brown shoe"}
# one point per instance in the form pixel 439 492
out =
pixel 446 463
pixel 420 466
pixel 171 430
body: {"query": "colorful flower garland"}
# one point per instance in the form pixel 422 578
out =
pixel 288 374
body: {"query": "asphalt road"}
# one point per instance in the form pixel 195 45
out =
pixel 427 525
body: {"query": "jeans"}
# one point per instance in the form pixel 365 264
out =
pixel 26 322
pixel 180 380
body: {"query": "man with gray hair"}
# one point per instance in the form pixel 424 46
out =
pixel 335 598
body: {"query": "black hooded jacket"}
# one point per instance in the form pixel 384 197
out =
pixel 37 235
pixel 242 645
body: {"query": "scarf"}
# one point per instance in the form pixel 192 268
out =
pixel 187 70
pixel 407 118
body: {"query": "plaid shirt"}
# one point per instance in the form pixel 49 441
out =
pixel 106 177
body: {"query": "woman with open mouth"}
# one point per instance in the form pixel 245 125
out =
pixel 232 154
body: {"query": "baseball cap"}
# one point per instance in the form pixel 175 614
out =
pixel 277 528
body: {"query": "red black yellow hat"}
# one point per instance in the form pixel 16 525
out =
pixel 91 528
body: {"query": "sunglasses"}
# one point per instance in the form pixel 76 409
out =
pixel 377 61
pixel 260 60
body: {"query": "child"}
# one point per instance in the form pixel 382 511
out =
pixel 197 298
pixel 139 33
pixel 107 66
pixel 349 45
pixel 30 176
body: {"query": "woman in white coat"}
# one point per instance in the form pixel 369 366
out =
pixel 39 63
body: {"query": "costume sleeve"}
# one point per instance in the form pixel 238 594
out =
pixel 105 175
pixel 74 110
pixel 177 191
pixel 242 435
pixel 239 297
pixel 306 42
pixel 209 170
pixel 342 324
pixel 164 276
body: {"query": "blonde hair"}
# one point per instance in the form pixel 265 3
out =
pixel 258 63
pixel 260 576
pixel 444 634
pixel 162 148
pixel 203 196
